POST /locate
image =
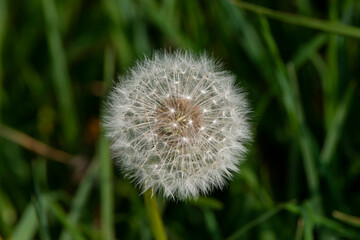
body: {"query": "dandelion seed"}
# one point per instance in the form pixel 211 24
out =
pixel 177 124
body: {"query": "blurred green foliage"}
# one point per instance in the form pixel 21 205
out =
pixel 302 176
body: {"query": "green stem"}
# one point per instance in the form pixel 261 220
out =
pixel 152 211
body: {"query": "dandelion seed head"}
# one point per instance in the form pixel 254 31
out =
pixel 177 124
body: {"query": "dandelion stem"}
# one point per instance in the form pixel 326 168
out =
pixel 152 211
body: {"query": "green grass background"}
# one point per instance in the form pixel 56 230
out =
pixel 298 60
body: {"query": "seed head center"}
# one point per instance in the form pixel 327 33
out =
pixel 178 119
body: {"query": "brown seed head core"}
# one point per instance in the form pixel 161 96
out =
pixel 178 120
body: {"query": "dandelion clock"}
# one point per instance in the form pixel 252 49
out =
pixel 177 124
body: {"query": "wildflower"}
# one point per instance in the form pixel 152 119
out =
pixel 177 124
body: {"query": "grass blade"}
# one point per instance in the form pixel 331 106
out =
pixel 158 12
pixel 320 67
pixel 305 52
pixel 58 212
pixel 117 34
pixel 330 86
pixel 27 226
pixel 299 229
pixel 211 224
pixel 311 220
pixel 33 144
pixel 39 202
pixel 336 227
pixel 109 67
pixel 81 196
pixel 287 82
pixel 61 76
pixel 308 223
pixel 336 125
pixel 355 221
pixel 7 215
pixel 208 202
pixel 303 21
pixel 250 39
pixel 304 6
pixel 106 165
pixel 106 189
pixel 3 20
pixel 262 218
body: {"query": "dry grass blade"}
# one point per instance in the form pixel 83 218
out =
pixel 353 220
pixel 34 145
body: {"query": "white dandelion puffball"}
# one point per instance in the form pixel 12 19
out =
pixel 177 124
